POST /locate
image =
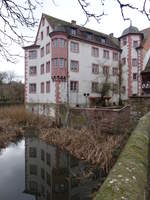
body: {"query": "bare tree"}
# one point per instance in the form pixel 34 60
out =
pixel 142 7
pixel 14 15
pixel 3 77
pixel 11 76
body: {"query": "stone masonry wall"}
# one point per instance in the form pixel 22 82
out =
pixel 140 105
pixel 128 178
pixel 108 120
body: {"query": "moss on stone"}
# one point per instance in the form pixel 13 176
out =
pixel 127 180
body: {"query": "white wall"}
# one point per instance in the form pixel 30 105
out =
pixel 85 76
pixel 38 97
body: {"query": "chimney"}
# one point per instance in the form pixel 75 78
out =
pixel 73 22
pixel 111 35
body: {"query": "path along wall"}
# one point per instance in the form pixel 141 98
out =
pixel 128 178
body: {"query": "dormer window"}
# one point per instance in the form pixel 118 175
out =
pixel 88 36
pixel 103 40
pixel 73 31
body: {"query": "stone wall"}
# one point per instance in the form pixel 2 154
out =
pixel 110 120
pixel 140 105
pixel 128 178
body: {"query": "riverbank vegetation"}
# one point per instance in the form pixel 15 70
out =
pixel 96 147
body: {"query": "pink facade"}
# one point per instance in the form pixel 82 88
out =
pixel 59 55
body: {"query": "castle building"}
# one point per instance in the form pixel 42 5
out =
pixel 71 64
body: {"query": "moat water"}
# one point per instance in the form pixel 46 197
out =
pixel 34 170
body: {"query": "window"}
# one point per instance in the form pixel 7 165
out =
pixel 48 159
pixel 55 43
pixel 95 68
pixel 124 41
pixel 47 30
pixel 61 43
pixel 123 89
pixel 115 71
pixel 105 70
pixel 48 179
pixel 123 61
pixel 106 54
pixel 48 67
pixel 94 86
pixel 33 169
pixel 134 76
pixel 32 152
pixel 134 62
pixel 74 47
pixel 42 155
pixel 42 173
pixel 74 65
pixel 48 195
pixel 115 88
pixel 32 70
pixel 48 87
pixel 103 40
pixel 74 86
pixel 95 52
pixel 115 56
pixel 32 54
pixel 42 35
pixel 61 187
pixel 33 186
pixel 32 88
pixel 61 62
pixel 42 51
pixel 55 62
pixel 73 31
pixel 88 36
pixel 135 43
pixel 42 87
pixel 43 190
pixel 48 48
pixel 42 69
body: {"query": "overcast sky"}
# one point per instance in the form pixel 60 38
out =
pixel 70 10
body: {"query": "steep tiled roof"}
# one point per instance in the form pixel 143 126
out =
pixel 130 30
pixel 31 46
pixel 147 68
pixel 146 33
pixel 84 33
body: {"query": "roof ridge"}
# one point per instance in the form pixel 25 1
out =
pixel 88 29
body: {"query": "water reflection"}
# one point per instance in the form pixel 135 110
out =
pixel 12 173
pixel 34 170
pixel 52 174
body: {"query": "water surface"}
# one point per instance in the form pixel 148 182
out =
pixel 35 170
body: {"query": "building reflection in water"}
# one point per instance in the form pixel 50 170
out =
pixel 53 174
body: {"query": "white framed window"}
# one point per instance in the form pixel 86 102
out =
pixel 74 86
pixel 74 47
pixel 74 65
pixel 32 54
